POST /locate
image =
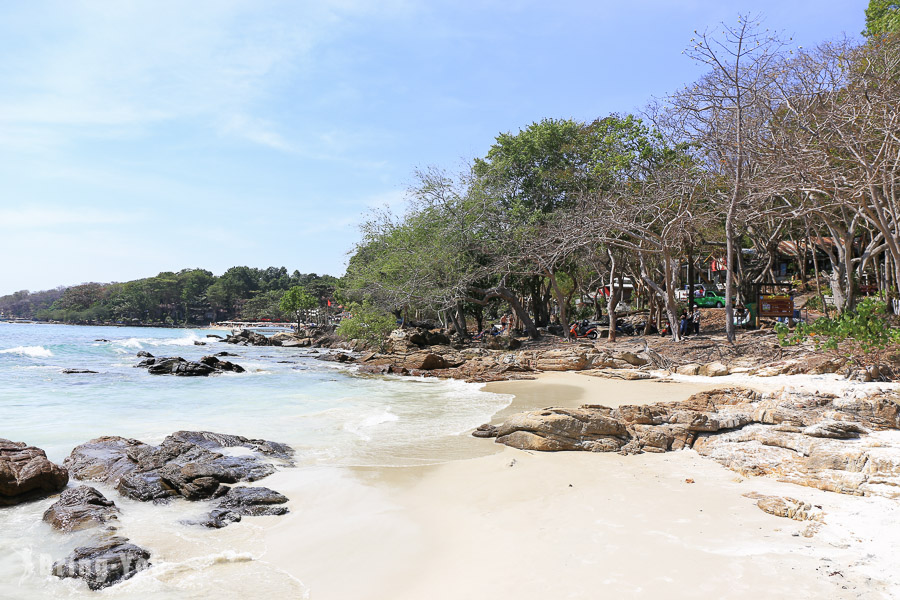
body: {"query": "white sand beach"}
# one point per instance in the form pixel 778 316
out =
pixel 517 524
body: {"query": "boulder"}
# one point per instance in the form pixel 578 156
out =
pixel 186 464
pixel 243 501
pixel 713 369
pixel 179 366
pixel 689 369
pixel 245 337
pixel 424 361
pixel 561 360
pixel 106 562
pixel 82 507
pixel 144 354
pixel 77 371
pixel 631 358
pixel 214 336
pixel 282 338
pixel 199 343
pixel 221 365
pixel 27 474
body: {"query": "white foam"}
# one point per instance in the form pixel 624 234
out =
pixel 32 351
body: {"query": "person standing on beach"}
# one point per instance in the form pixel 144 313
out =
pixel 695 319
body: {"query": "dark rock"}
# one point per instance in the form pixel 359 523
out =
pixel 223 353
pixel 101 340
pixel 336 357
pixel 184 465
pixel 245 501
pixel 107 562
pixel 221 365
pixel 77 371
pixel 486 431
pixel 144 354
pixel 82 507
pixel 26 473
pixel 179 366
pixel 199 343
pixel 245 337
pixel 212 335
pixel 383 370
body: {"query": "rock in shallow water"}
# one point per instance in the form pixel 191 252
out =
pixel 78 508
pixel 185 464
pixel 245 501
pixel 27 474
pixel 109 560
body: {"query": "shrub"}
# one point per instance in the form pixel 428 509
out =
pixel 867 326
pixel 368 324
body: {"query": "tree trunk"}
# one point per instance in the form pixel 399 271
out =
pixel 729 273
pixel 613 297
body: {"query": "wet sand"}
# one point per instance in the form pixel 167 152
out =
pixel 514 524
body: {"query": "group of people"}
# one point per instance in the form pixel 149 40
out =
pixel 689 323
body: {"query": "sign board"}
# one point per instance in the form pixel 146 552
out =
pixel 776 305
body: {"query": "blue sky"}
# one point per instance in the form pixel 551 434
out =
pixel 139 137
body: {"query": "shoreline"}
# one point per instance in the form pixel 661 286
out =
pixel 533 525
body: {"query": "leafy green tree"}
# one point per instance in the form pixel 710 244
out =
pixel 369 324
pixel 882 16
pixel 298 302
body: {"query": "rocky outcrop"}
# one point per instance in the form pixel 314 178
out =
pixel 847 445
pixel 242 501
pixel 107 558
pixel 82 507
pixel 245 337
pixel 27 474
pixel 424 361
pixel 221 365
pixel 206 366
pixel 186 464
pixel 107 561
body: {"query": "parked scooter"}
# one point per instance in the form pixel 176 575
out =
pixel 583 330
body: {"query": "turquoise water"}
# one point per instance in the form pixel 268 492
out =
pixel 332 416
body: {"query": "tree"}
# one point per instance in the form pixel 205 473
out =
pixel 298 302
pixel 722 113
pixel 882 16
pixel 367 323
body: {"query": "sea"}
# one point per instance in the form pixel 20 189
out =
pixel 338 421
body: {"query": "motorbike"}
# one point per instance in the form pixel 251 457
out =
pixel 583 330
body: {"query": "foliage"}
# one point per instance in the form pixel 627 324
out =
pixel 367 323
pixel 298 302
pixel 867 326
pixel 188 296
pixel 882 16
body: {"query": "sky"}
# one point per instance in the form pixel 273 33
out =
pixel 146 136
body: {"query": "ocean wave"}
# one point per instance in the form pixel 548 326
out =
pixel 32 351
pixel 386 416
pixel 139 343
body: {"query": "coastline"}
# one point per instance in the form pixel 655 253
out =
pixel 531 525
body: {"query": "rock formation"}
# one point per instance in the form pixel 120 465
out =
pixel 186 464
pixel 27 474
pixel 78 508
pixel 245 337
pixel 108 561
pixel 847 445
pixel 175 365
pixel 107 558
